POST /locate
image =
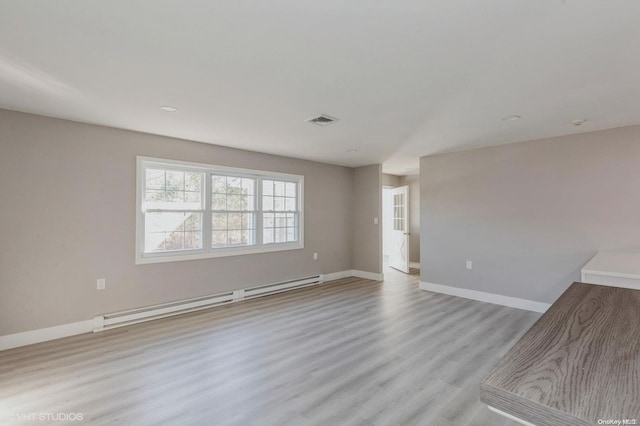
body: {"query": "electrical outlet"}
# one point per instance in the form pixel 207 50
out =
pixel 469 264
pixel 375 220
pixel 315 256
pixel 101 284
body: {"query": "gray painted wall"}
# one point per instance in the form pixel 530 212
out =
pixel 413 182
pixel 529 215
pixel 67 218
pixel 367 236
pixel 390 180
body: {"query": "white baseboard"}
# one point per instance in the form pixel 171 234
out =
pixel 415 265
pixel 498 299
pixel 367 275
pixel 353 273
pixel 337 275
pixel 44 334
pixel 25 338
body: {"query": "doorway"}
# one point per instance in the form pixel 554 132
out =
pixel 395 228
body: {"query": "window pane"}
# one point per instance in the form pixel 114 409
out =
pixel 174 241
pixel 278 203
pixel 192 240
pixel 193 222
pixel 219 221
pixel 219 184
pixel 267 203
pixel 267 187
pixel 154 242
pixel 284 196
pixel 219 239
pixel 248 237
pixel 166 231
pixel 248 186
pixel 234 185
pixel 192 197
pixel 281 220
pixel 267 220
pixel 232 229
pixel 170 189
pixel 235 221
pixel 174 197
pixel 152 195
pixel 278 188
pixel 290 189
pixel 280 235
pixel 280 227
pixel 267 236
pixel 154 179
pixel 235 238
pixel 193 182
pixel 232 193
pixel 172 221
pixel 247 221
pixel 175 180
pixel 218 202
pixel 235 202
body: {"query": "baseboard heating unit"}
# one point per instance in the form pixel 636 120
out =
pixel 148 313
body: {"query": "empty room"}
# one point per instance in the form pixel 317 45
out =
pixel 339 213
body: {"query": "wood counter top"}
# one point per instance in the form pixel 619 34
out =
pixel 578 364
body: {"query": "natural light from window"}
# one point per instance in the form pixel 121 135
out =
pixel 192 210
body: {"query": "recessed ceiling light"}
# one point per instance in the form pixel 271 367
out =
pixel 351 150
pixel 511 118
pixel 578 122
pixel 169 108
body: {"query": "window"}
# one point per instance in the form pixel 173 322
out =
pixel 398 212
pixel 233 211
pixel 279 211
pixel 194 211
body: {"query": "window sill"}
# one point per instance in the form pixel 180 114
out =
pixel 214 253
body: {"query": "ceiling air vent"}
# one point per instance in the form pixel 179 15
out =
pixel 322 120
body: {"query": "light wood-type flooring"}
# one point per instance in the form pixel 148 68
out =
pixel 348 352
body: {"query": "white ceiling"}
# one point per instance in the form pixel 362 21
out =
pixel 406 78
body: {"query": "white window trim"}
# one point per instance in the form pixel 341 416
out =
pixel 207 253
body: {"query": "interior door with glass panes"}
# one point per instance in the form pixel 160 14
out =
pixel 399 258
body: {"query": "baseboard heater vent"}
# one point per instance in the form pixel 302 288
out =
pixel 265 290
pixel 148 313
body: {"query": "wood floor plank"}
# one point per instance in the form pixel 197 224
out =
pixel 349 352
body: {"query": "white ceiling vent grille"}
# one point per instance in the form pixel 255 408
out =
pixel 322 120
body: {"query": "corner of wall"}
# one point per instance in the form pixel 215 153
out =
pixel 367 215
